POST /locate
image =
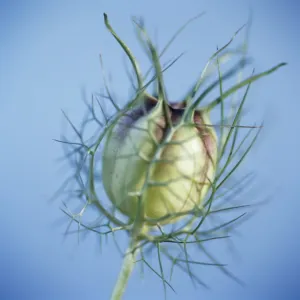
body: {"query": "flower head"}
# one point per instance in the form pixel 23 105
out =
pixel 162 162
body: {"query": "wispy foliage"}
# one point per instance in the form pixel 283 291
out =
pixel 172 244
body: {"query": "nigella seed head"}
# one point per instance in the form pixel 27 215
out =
pixel 181 171
pixel 162 162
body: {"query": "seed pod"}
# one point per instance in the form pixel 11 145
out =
pixel 178 172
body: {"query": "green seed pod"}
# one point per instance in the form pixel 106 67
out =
pixel 178 171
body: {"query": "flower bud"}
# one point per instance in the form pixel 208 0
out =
pixel 178 172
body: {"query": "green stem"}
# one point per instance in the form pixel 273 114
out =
pixel 126 270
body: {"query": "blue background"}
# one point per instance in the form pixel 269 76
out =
pixel 48 51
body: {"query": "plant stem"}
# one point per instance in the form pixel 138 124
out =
pixel 126 270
